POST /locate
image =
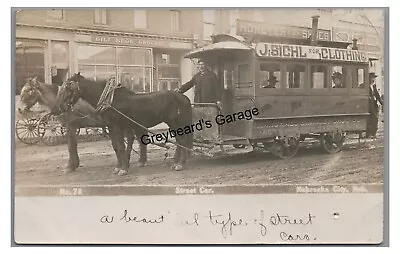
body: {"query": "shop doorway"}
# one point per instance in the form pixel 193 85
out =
pixel 30 61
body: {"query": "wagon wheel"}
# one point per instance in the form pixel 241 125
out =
pixel 105 132
pixel 27 131
pixel 284 148
pixel 93 131
pixel 53 129
pixel 332 142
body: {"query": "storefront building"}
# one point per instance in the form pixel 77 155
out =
pixel 142 59
pixel 145 49
pixel 140 64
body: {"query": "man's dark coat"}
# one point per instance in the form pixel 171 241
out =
pixel 207 88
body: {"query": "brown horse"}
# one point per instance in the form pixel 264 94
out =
pixel 131 110
pixel 83 115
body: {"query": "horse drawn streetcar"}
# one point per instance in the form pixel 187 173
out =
pixel 275 95
pixel 302 91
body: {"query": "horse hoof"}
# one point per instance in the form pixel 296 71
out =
pixel 116 170
pixel 123 172
pixel 178 167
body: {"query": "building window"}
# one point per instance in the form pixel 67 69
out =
pixel 96 63
pixel 59 61
pixel 258 16
pixel 133 67
pixel 295 76
pixel 208 24
pixel 59 53
pixel 168 71
pixel 233 17
pixel 55 14
pixel 319 76
pixel 30 58
pixel 325 10
pixel 100 17
pixel 208 31
pixel 270 74
pixel 175 20
pixel 140 19
pixel 97 72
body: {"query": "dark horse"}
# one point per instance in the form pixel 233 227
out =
pixel 146 110
pixel 83 115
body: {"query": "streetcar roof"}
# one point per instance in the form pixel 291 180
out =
pixel 219 46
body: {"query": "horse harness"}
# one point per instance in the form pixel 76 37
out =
pixel 105 102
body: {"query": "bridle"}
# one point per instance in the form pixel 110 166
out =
pixel 71 99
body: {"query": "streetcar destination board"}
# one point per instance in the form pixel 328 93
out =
pixel 274 50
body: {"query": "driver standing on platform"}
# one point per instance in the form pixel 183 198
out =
pixel 207 89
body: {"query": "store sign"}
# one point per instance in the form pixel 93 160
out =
pixel 370 40
pixel 138 42
pixel 258 28
pixel 309 52
pixel 128 41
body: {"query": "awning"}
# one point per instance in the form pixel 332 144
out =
pixel 217 47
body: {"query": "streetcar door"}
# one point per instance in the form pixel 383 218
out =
pixel 226 79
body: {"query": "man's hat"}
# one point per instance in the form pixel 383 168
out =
pixel 372 75
pixel 337 74
pixel 272 78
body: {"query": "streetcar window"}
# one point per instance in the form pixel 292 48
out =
pixel 319 76
pixel 360 81
pixel 295 76
pixel 243 76
pixel 338 77
pixel 270 74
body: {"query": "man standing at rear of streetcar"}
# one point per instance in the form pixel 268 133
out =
pixel 374 98
pixel 207 89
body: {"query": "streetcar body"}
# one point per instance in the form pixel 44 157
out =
pixel 293 89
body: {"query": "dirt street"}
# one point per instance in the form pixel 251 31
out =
pixel 42 165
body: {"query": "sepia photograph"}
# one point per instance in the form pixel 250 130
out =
pixel 199 106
